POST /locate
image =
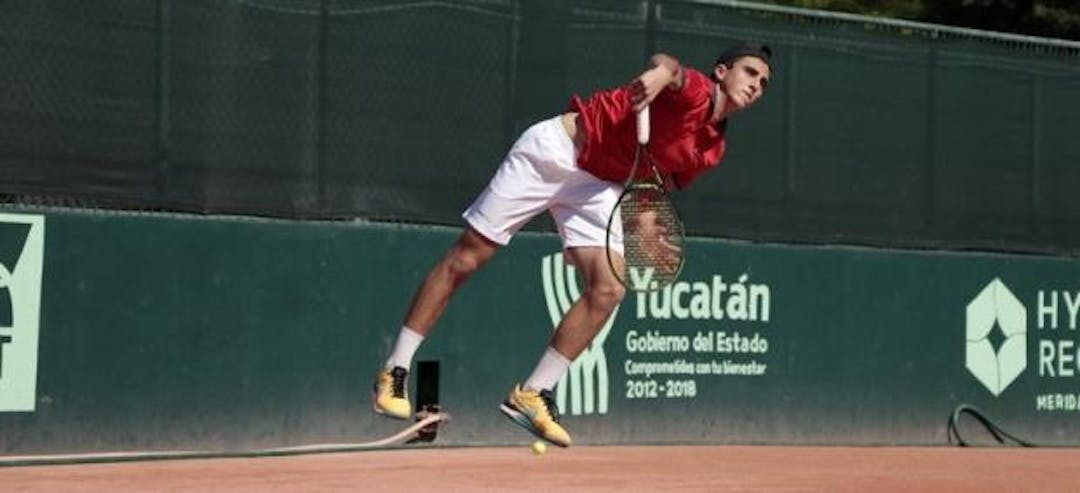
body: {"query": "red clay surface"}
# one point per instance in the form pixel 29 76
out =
pixel 584 469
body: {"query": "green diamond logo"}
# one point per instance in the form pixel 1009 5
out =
pixel 996 337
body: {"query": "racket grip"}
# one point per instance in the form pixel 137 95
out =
pixel 643 126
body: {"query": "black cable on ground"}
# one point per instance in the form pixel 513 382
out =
pixel 999 434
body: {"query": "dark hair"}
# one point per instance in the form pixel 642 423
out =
pixel 744 48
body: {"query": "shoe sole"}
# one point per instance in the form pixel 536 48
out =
pixel 523 421
pixel 380 412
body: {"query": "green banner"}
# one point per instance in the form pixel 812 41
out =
pixel 176 332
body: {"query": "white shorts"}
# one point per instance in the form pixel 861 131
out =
pixel 541 173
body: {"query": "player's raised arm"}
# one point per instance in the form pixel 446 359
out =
pixel 664 72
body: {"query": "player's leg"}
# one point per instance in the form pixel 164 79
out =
pixel 581 214
pixel 469 253
pixel 520 190
pixel 602 294
pixel 532 405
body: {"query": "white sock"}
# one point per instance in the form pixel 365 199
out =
pixel 408 341
pixel 551 368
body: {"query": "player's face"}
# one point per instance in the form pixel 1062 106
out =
pixel 744 82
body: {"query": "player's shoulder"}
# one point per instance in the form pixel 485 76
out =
pixel 696 78
pixel 696 85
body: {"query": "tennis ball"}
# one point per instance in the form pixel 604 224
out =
pixel 539 447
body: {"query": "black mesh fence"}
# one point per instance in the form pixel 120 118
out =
pixel 873 132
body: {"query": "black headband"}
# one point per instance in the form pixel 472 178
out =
pixel 745 48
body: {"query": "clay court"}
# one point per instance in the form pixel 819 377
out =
pixel 583 469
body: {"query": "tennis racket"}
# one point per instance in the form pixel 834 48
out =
pixel 652 233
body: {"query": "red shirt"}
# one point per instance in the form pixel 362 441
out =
pixel 683 142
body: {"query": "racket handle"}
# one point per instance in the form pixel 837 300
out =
pixel 643 126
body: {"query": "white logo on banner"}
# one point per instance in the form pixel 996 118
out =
pixel 996 308
pixel 22 248
pixel 586 383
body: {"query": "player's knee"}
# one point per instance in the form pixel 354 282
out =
pixel 606 295
pixel 461 264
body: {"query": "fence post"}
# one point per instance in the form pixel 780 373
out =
pixel 163 109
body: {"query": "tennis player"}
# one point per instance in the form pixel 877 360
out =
pixel 574 165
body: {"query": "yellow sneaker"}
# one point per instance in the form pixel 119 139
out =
pixel 391 397
pixel 537 413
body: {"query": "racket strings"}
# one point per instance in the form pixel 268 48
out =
pixel 652 237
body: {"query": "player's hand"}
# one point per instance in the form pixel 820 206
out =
pixel 648 85
pixel 668 255
pixel 663 254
